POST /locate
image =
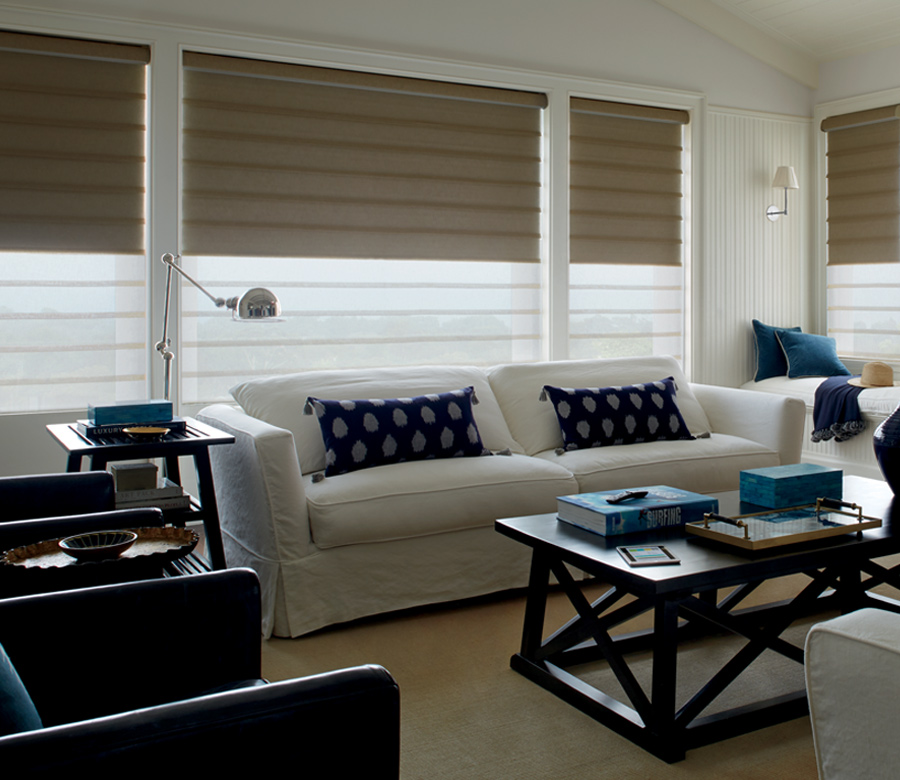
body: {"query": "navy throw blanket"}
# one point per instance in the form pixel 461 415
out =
pixel 836 412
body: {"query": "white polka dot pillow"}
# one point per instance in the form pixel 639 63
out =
pixel 605 416
pixel 377 432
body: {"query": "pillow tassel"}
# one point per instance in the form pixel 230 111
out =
pixel 507 451
pixel 318 477
pixel 543 395
pixel 308 407
pixel 474 398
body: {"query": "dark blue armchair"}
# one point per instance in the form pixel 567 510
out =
pixel 165 676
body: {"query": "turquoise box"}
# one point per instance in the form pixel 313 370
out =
pixel 778 487
pixel 130 412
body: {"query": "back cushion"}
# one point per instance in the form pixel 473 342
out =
pixel 279 401
pixel 517 387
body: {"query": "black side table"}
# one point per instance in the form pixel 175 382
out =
pixel 195 441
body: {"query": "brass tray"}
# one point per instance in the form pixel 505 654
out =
pixel 165 544
pixel 779 527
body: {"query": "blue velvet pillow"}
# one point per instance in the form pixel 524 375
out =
pixel 770 360
pixel 377 432
pixel 811 355
pixel 603 416
pixel 17 712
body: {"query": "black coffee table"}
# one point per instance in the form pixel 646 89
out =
pixel 684 601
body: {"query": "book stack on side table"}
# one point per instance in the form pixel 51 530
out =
pixel 138 485
pixel 113 419
pixel 643 509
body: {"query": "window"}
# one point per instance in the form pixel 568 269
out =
pixel 626 277
pixel 397 219
pixel 863 200
pixel 72 257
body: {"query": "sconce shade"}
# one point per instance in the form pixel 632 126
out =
pixel 258 304
pixel 785 177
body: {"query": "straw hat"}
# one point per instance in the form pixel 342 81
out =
pixel 876 374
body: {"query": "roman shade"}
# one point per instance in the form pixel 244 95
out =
pixel 626 183
pixel 72 124
pixel 286 160
pixel 863 186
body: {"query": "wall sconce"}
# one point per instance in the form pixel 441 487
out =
pixel 784 177
pixel 255 305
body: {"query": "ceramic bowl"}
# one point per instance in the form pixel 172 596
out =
pixel 99 546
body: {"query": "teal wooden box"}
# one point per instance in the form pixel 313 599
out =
pixel 778 487
pixel 130 412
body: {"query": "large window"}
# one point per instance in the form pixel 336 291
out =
pixel 863 200
pixel 626 281
pixel 72 263
pixel 398 219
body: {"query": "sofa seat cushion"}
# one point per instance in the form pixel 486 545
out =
pixel 280 400
pixel 706 465
pixel 421 498
pixel 876 401
pixel 517 387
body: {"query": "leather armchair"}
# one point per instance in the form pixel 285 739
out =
pixel 165 676
pixel 38 507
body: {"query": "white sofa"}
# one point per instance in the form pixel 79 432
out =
pixel 856 455
pixel 396 536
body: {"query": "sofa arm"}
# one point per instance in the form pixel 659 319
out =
pixel 347 722
pixel 852 672
pixel 774 421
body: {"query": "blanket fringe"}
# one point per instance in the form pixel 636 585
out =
pixel 839 431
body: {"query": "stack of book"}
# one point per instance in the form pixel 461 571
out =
pixel 138 485
pixel 166 495
pixel 113 419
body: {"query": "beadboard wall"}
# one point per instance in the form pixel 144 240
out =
pixel 750 267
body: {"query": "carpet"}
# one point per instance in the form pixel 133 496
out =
pixel 466 714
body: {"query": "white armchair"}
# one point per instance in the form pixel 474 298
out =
pixel 853 684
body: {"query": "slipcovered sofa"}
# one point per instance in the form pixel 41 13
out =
pixel 332 549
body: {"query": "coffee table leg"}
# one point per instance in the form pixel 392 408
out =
pixel 665 663
pixel 535 605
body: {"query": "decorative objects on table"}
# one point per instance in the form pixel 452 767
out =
pixel 887 450
pixel 660 507
pixel 129 412
pixel 762 530
pixel 98 546
pixel 777 487
pixel 86 428
pixel 256 304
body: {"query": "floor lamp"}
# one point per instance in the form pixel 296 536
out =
pixel 255 305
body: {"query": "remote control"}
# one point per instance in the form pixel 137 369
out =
pixel 626 495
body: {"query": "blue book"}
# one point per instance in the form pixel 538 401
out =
pixel 662 507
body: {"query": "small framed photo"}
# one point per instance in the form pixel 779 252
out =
pixel 647 555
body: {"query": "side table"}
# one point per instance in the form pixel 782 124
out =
pixel 195 441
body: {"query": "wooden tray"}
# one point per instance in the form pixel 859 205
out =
pixel 162 544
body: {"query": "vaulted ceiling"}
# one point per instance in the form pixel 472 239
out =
pixel 794 36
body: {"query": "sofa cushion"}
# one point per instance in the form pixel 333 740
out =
pixel 422 498
pixel 360 434
pixel 706 465
pixel 808 354
pixel 17 711
pixel 279 401
pixel 606 416
pixel 770 359
pixel 517 387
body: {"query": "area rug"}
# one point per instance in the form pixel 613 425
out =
pixel 466 715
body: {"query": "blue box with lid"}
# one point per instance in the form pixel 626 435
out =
pixel 778 487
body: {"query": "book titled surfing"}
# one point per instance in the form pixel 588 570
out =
pixel 661 507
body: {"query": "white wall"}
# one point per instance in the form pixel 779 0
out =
pixel 611 46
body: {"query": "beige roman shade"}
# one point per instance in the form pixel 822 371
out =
pixel 72 138
pixel 863 180
pixel 626 183
pixel 289 160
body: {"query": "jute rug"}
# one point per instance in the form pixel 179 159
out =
pixel 466 714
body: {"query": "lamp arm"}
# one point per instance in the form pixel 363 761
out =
pixel 170 260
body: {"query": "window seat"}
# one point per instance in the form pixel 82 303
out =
pixel 854 456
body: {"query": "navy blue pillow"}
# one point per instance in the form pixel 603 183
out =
pixel 811 355
pixel 377 432
pixel 770 360
pixel 603 416
pixel 17 711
